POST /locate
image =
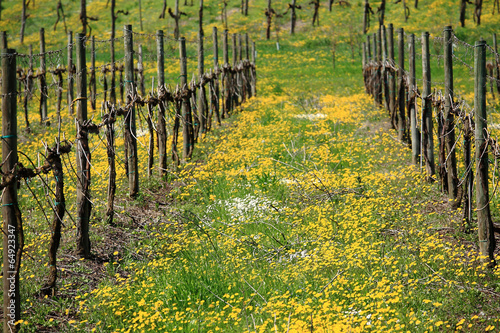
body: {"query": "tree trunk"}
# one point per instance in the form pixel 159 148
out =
pixel 23 22
pixel 164 10
pixel 83 16
pixel 293 17
pixel 54 160
pixel 366 17
pixel 463 8
pixel 478 10
pixel 269 15
pixel 110 150
pixel 176 30
pixel 381 14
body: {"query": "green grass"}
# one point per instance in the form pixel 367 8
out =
pixel 181 242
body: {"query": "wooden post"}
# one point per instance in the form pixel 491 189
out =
pixel 161 126
pixel 12 225
pixel 28 89
pixel 248 80
pixel 226 77
pixel 235 77
pixel 427 124
pixel 254 73
pixel 201 92
pixel 130 118
pixel 412 95
pixel 112 92
pixel 234 50
pixel 71 86
pixel 385 86
pixel 216 69
pixel 176 17
pixel 241 81
pixel 379 43
pixel 43 81
pixel 449 118
pixel 83 160
pixel 391 80
pixel 93 87
pixel 401 86
pixel 3 40
pixel 369 73
pixel 484 222
pixel 185 107
pixel 140 71
pixel 497 62
pixel 376 81
pixel 368 43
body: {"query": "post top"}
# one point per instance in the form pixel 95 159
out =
pixel 448 28
pixel 480 42
pixel 425 33
pixel 401 30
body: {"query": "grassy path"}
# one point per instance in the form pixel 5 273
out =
pixel 303 215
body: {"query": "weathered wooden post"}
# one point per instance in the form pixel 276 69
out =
pixel 484 222
pixel 186 135
pixel 248 81
pixel 216 92
pixel 28 89
pixel 370 66
pixel 254 72
pixel 368 43
pixel 43 81
pixel 449 118
pixel 3 40
pixel 376 81
pixel 236 75
pixel 161 126
pixel 112 88
pixel 241 81
pixel 130 118
pixel 385 85
pixel 497 62
pixel 427 124
pixel 391 80
pixel 412 95
pixel 380 80
pixel 401 86
pixel 71 86
pixel 140 71
pixel 83 158
pixel 12 225
pixel 201 91
pixel 93 86
pixel 226 77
